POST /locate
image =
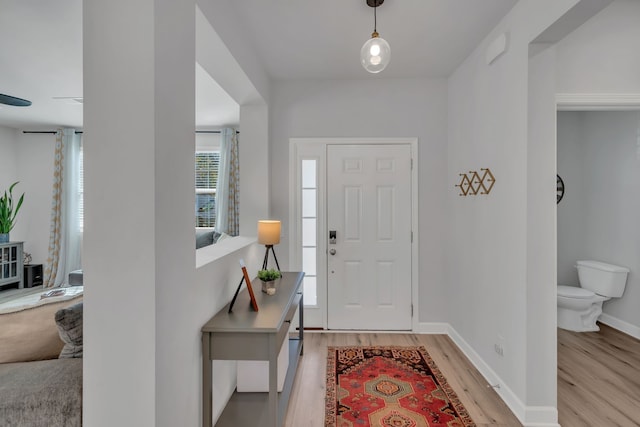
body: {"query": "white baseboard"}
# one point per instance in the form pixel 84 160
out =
pixel 529 416
pixel 489 374
pixel 541 416
pixel 432 328
pixel 620 325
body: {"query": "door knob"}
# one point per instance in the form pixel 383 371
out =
pixel 332 251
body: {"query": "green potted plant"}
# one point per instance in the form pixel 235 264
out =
pixel 8 212
pixel 268 277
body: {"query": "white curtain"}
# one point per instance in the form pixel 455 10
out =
pixel 227 189
pixel 65 237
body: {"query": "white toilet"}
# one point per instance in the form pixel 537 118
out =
pixel 580 307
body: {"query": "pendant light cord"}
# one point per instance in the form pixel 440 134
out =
pixel 375 18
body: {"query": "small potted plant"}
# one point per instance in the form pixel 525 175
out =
pixel 8 212
pixel 268 277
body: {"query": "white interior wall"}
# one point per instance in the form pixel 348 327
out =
pixel 28 158
pixel 9 165
pixel 146 295
pixel 223 51
pixel 487 251
pixel 254 167
pixel 541 387
pixel 35 169
pixel 601 56
pixel 372 108
pixel 572 220
pixel 598 153
pixel 8 151
pixel 119 239
pixel 139 250
pixel 208 141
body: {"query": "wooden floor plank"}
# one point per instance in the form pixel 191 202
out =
pixel 598 379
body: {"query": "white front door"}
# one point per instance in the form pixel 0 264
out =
pixel 369 265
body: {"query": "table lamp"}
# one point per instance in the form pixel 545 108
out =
pixel 269 235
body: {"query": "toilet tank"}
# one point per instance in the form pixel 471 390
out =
pixel 604 279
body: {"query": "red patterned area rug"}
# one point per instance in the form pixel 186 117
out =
pixel 389 387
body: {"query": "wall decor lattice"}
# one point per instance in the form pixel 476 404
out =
pixel 474 183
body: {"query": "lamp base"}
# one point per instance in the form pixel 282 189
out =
pixel 266 257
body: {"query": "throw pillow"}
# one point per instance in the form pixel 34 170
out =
pixel 69 322
pixel 30 334
pixel 223 236
pixel 203 238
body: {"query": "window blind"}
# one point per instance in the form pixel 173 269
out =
pixel 207 170
pixel 206 180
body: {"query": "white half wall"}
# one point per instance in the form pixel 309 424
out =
pixel 372 108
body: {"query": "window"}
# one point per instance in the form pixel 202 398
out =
pixel 206 180
pixel 309 231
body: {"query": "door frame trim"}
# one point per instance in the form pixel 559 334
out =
pixel 295 237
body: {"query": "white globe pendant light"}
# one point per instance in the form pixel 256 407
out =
pixel 376 52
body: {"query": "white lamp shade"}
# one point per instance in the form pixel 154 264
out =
pixel 268 232
pixel 375 54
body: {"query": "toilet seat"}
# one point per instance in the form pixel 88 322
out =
pixel 574 292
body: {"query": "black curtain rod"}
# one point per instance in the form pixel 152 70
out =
pixel 213 131
pixel 79 131
pixel 46 131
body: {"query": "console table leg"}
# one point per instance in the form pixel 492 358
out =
pixel 301 322
pixel 273 382
pixel 207 393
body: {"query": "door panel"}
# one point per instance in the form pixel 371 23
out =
pixel 369 207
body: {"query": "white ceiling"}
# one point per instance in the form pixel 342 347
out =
pixel 41 58
pixel 41 49
pixel 300 39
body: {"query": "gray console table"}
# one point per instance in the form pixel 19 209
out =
pixel 245 334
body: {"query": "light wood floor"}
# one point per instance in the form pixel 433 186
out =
pixel 306 407
pixel 11 293
pixel 598 379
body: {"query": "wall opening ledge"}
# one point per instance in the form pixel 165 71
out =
pixel 211 253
